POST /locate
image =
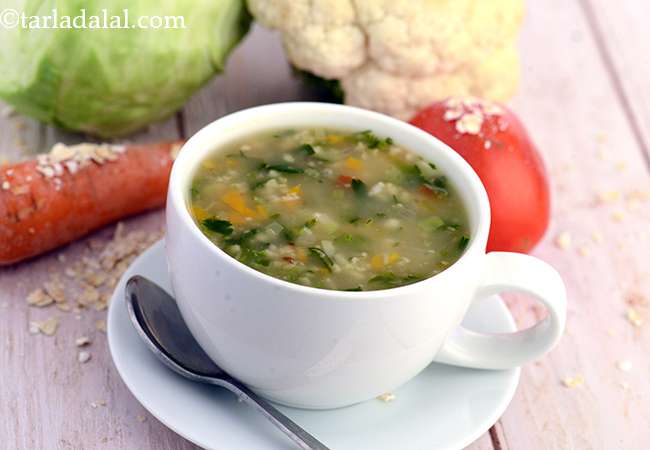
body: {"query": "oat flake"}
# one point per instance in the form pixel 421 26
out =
pixel 387 397
pixel 573 382
pixel 624 365
pixel 82 341
pixel 83 357
pixel 563 240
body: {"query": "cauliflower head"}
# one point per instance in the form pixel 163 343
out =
pixel 397 56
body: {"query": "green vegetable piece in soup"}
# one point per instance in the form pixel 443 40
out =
pixel 333 209
pixel 218 226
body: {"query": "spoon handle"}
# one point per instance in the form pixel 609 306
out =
pixel 297 434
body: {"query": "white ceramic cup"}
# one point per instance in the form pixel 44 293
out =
pixel 316 348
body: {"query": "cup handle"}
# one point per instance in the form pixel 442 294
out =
pixel 511 272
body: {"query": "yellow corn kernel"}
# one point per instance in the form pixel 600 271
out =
pixel 301 254
pixel 334 138
pixel 296 190
pixel 377 262
pixel 353 163
pixel 392 258
pixel 199 213
pixel 236 201
pixel 262 213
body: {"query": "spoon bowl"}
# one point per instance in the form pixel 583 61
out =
pixel 159 323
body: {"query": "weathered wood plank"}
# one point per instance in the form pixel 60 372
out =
pixel 571 107
pixel 52 400
pixel 20 136
pixel 623 35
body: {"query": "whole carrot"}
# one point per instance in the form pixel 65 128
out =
pixel 73 190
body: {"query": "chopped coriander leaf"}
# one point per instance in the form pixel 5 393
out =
pixel 389 279
pixel 310 223
pixel 253 257
pixel 462 243
pixel 354 289
pixel 258 184
pixel 242 238
pixel 440 182
pixel 305 149
pixel 217 225
pixel 437 190
pixel 284 168
pixel 287 234
pixel 194 192
pixel 359 187
pixel 368 138
pixel 433 166
pixel 354 220
pixel 322 257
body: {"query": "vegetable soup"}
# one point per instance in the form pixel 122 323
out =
pixel 330 209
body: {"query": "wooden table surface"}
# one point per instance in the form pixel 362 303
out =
pixel 585 97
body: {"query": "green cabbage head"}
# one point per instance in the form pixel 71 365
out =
pixel 109 82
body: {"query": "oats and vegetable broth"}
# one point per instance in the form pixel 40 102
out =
pixel 330 209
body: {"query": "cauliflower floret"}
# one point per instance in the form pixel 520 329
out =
pixel 396 56
pixel 320 36
pixel 379 90
pixel 332 51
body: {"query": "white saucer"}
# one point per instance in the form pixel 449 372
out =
pixel 443 408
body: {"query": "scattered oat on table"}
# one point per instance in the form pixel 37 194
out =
pixel 563 240
pixel 39 297
pixel 82 341
pixel 101 325
pixel 618 216
pixel 609 196
pixel 634 317
pixel 84 357
pixel 624 365
pixel 47 327
pixel 88 283
pixel 573 382
pixel 584 250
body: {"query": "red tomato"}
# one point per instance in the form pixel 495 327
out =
pixel 494 142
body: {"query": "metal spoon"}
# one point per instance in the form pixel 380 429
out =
pixel 160 325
